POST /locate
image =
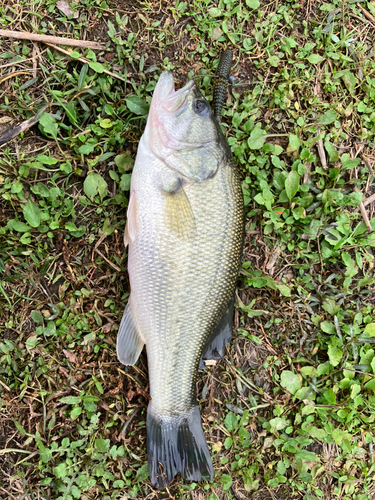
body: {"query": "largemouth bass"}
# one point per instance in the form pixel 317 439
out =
pixel 184 230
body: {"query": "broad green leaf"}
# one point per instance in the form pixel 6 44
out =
pixel 294 142
pixel 305 393
pixel 142 473
pixel 31 213
pixel 291 184
pixel 328 117
pixel 309 371
pixel 278 423
pixel 76 412
pixel 17 225
pixel 106 123
pixel 330 396
pixel 370 329
pixel 97 67
pixel 231 422
pixel 307 455
pixel 228 443
pixel 77 232
pixel 348 78
pixel 370 384
pixel 124 162
pixel 48 125
pixel 61 470
pixel 328 327
pixel 137 105
pixel 47 160
pixel 102 445
pixel 31 342
pixel 290 381
pixel 340 434
pixel 253 4
pixel 36 316
pixel 125 182
pixel 71 400
pixel 334 354
pixel 283 289
pixel 273 61
pixel 315 59
pixel 95 184
pixel 88 147
pixel 317 433
pixel 214 12
pixel 256 139
pixel 330 306
pixel 226 481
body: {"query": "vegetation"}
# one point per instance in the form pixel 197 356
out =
pixel 289 412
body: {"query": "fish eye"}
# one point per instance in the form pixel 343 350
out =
pixel 200 107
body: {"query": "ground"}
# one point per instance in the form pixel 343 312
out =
pixel 289 411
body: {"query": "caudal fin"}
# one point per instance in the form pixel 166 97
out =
pixel 176 443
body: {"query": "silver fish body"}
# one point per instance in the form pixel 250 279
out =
pixel 184 229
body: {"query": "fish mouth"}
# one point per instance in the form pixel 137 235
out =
pixel 171 100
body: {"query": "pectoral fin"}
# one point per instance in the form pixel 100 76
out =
pixel 179 214
pixel 131 223
pixel 215 344
pixel 129 342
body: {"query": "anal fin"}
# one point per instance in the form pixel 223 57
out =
pixel 129 342
pixel 215 344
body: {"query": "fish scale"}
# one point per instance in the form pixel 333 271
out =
pixel 185 237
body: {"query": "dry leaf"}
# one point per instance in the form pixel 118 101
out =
pixel 64 7
pixel 72 357
pixel 5 119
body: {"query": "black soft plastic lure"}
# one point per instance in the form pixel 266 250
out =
pixel 221 83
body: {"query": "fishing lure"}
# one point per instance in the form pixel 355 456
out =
pixel 221 83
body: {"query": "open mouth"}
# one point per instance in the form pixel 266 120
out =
pixel 177 101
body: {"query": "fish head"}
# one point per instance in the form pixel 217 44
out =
pixel 183 132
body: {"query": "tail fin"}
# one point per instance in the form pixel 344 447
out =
pixel 176 443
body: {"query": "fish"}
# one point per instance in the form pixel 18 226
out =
pixel 185 231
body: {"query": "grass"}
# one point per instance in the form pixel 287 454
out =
pixel 289 412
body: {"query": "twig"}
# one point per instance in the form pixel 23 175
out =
pixel 181 23
pixel 322 153
pixel 18 62
pixel 364 213
pixel 265 337
pixel 12 75
pixel 108 261
pixel 367 14
pixel 369 200
pixel 4 385
pixel 24 35
pixel 307 175
pixel 11 134
pixel 85 61
pixel 366 161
